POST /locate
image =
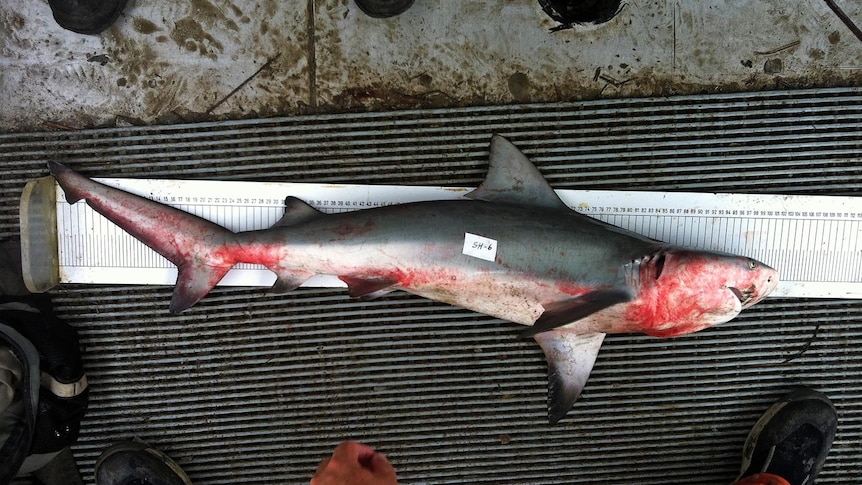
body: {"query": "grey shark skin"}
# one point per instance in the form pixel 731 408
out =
pixel 514 251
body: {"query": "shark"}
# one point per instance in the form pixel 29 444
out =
pixel 510 249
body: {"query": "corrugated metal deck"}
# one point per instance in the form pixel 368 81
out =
pixel 252 388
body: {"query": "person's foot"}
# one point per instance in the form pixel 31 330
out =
pixel 19 391
pixel 11 278
pixel 571 12
pixel 86 16
pixel 792 438
pixel 383 8
pixel 134 463
pixel 37 424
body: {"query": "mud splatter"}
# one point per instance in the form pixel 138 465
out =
pixel 271 7
pixel 190 35
pixel 211 15
pixel 14 21
pixel 816 54
pixel 164 95
pixel 136 65
pixel 144 26
pixel 102 59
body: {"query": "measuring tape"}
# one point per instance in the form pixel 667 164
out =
pixel 813 241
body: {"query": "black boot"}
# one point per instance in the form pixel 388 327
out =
pixel 19 400
pixel 571 12
pixel 50 393
pixel 383 8
pixel 792 438
pixel 86 16
pixel 134 463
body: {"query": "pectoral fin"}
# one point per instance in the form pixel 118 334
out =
pixel 570 359
pixel 565 312
pixel 367 289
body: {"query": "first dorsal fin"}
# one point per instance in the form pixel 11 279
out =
pixel 513 179
pixel 296 211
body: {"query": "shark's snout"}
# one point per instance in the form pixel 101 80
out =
pixel 755 293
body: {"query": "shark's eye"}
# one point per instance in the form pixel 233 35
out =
pixel 752 264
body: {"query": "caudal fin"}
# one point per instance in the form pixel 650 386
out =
pixel 201 250
pixel 63 174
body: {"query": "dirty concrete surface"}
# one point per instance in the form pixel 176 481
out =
pixel 190 60
pixel 439 386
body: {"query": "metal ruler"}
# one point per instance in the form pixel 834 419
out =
pixel 815 242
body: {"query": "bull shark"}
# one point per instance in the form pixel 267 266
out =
pixel 512 249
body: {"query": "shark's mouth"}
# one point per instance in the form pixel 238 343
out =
pixel 744 296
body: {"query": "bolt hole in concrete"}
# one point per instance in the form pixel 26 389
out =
pixel 580 12
pixel 773 66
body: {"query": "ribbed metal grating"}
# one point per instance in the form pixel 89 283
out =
pixel 252 388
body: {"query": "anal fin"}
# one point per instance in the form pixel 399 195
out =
pixel 568 311
pixel 570 359
pixel 367 289
pixel 288 280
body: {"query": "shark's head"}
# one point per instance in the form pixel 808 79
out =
pixel 682 291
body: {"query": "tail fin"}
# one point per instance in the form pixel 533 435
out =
pixel 61 173
pixel 199 248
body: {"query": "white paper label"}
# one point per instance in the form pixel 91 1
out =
pixel 480 247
